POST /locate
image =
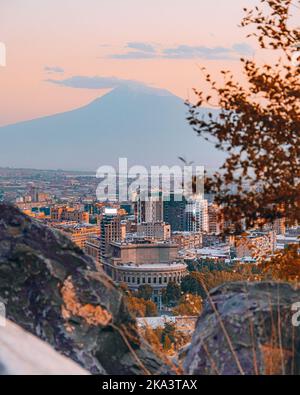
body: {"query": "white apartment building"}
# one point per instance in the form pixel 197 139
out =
pixel 197 215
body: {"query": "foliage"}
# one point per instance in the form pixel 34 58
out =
pixel 171 294
pixel 192 284
pixel 153 337
pixel 151 309
pixel 285 265
pixel 167 343
pixel 197 283
pixel 165 337
pixel 168 336
pixel 208 264
pixel 166 340
pixel 257 126
pixel 189 305
pixel 145 291
pixel 169 330
pixel 124 288
pixel 139 307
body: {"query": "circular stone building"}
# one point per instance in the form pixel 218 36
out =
pixel 157 275
pixel 145 262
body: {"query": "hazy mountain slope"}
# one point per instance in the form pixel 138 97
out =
pixel 147 126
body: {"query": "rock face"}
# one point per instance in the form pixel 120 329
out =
pixel 23 353
pixel 52 290
pixel 246 328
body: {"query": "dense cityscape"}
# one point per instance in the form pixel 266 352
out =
pixel 146 246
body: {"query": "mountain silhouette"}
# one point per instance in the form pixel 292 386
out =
pixel 146 125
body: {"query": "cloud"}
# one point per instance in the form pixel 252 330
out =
pixel 96 82
pixel 204 52
pixel 53 69
pixel 134 55
pixel 144 47
pixel 243 49
pixel 201 52
pixel 138 50
pixel 147 51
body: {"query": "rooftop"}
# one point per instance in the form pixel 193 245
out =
pixel 153 266
pixel 142 242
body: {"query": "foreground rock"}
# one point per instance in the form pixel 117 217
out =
pixel 23 353
pixel 51 289
pixel 246 328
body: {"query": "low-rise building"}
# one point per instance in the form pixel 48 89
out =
pixel 64 213
pixel 284 241
pixel 92 248
pixel 255 244
pixel 187 240
pixel 78 233
pixel 155 230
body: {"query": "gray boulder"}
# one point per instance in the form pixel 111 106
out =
pixel 246 328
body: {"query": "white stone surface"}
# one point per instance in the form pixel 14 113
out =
pixel 24 354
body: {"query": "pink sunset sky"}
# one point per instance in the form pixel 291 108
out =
pixel 158 42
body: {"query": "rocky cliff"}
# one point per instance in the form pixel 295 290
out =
pixel 52 290
pixel 247 328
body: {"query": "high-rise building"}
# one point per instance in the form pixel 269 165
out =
pixel 112 229
pixel 197 215
pixel 128 207
pixel 174 212
pixel 279 226
pixel 34 193
pixel 215 219
pixel 149 208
